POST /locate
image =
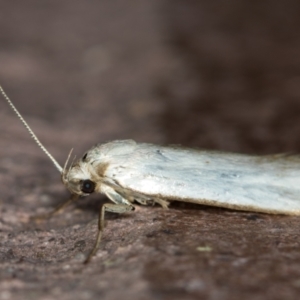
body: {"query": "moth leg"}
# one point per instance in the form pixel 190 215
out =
pixel 149 201
pixel 145 201
pixel 163 203
pixel 56 210
pixel 121 206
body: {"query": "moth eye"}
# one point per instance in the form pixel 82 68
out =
pixel 84 157
pixel 87 186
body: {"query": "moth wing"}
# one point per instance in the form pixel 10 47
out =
pixel 267 184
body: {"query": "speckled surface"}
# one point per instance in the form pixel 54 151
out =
pixel 203 74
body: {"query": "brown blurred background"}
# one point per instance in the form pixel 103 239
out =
pixel 212 74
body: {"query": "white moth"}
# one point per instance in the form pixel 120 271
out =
pixel 126 171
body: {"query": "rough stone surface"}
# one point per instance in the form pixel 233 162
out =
pixel 211 74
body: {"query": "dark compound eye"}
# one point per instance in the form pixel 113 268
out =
pixel 87 186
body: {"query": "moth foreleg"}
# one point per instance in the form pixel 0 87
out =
pixel 56 210
pixel 121 206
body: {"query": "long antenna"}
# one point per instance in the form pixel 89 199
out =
pixel 56 164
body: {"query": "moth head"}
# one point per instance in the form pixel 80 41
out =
pixel 78 177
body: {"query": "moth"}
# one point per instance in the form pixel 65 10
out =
pixel 126 171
